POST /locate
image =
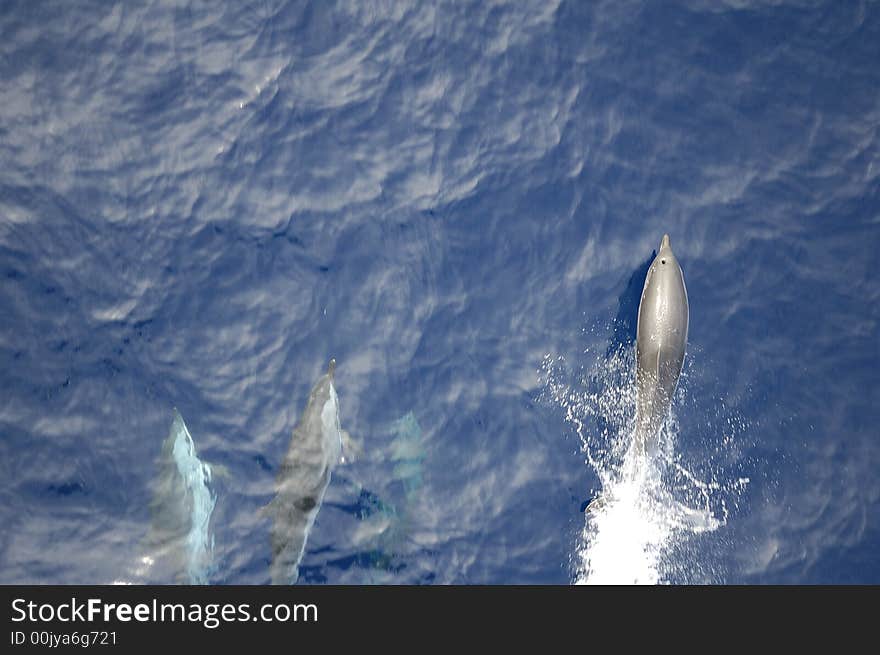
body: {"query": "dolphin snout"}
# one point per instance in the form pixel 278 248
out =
pixel 664 242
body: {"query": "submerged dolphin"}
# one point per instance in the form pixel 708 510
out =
pixel 180 535
pixel 661 338
pixel 315 450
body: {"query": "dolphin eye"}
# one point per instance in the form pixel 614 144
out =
pixel 662 261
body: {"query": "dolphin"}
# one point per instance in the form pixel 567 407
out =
pixel 182 505
pixel 661 339
pixel 315 449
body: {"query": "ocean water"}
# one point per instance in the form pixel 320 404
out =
pixel 201 203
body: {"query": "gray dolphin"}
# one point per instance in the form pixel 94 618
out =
pixel 661 338
pixel 315 450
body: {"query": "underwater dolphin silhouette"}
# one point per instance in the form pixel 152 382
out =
pixel 181 533
pixel 315 450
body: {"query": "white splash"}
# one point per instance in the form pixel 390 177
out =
pixel 625 541
pixel 650 508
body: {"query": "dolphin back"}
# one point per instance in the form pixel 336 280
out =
pixel 182 506
pixel 314 451
pixel 661 340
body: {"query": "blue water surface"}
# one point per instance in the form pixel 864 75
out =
pixel 201 203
